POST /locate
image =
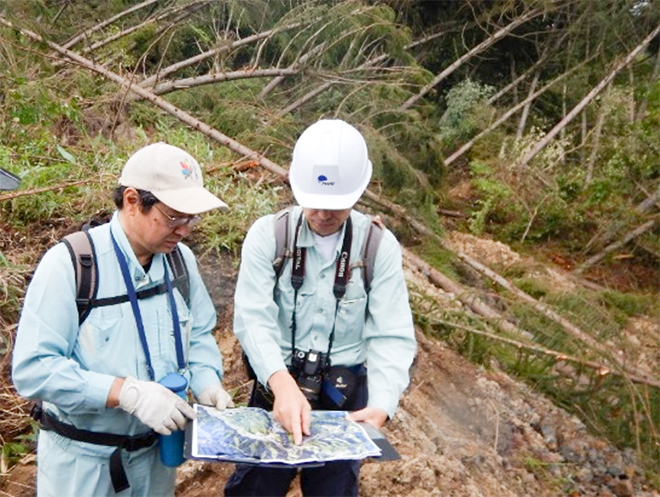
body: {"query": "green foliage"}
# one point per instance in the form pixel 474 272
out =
pixel 495 195
pixel 22 445
pixel 533 286
pixel 226 231
pixel 438 257
pixel 467 112
pixel 631 304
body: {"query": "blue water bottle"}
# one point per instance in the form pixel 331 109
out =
pixel 171 446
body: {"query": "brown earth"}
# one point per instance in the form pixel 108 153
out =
pixel 461 430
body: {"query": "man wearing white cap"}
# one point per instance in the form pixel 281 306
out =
pixel 97 374
pixel 315 336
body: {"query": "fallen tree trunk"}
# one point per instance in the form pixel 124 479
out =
pixel 88 32
pixel 166 71
pixel 640 230
pixel 601 369
pixel 569 327
pixel 501 119
pixel 650 201
pixel 466 297
pixel 495 37
pixel 559 127
pixel 33 191
pixel 445 283
pixel 158 101
pixel 169 86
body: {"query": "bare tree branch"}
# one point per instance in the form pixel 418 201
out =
pixel 296 65
pixel 86 33
pixel 225 47
pixel 495 37
pixel 147 22
pixel 305 98
pixel 640 230
pixel 179 84
pixel 559 356
pixel 541 144
pixel 466 146
pixel 23 193
pixel 156 100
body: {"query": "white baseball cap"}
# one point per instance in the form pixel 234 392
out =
pixel 172 176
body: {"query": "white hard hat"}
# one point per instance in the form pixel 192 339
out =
pixel 330 167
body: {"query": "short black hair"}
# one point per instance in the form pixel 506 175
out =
pixel 147 199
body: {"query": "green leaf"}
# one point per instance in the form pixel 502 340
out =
pixel 66 155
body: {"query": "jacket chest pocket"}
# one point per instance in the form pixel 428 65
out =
pixel 101 343
pixel 165 334
pixel 352 311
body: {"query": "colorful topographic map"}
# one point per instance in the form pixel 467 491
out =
pixel 252 435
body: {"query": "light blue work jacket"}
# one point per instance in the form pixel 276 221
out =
pixel 375 328
pixel 71 367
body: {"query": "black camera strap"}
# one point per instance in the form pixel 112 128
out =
pixel 297 278
pixel 342 275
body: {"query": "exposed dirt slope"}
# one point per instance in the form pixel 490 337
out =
pixel 462 430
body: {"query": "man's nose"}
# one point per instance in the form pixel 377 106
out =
pixel 325 214
pixel 182 231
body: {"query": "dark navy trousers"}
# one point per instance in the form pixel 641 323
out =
pixel 333 479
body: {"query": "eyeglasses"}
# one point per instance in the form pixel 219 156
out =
pixel 177 222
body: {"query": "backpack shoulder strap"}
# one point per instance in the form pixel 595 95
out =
pixel 83 257
pixel 180 273
pixel 282 249
pixel 369 249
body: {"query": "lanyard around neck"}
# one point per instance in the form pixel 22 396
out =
pixel 342 275
pixel 132 297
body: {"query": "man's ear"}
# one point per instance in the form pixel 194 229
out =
pixel 131 201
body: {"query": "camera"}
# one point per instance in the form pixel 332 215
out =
pixel 308 369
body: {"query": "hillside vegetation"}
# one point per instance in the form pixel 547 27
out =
pixel 516 152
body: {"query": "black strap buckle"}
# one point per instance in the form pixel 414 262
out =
pixel 36 411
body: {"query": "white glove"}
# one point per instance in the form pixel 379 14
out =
pixel 216 396
pixel 156 406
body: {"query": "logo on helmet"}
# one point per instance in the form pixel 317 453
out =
pixel 323 180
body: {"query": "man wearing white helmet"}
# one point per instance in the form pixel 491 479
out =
pixel 314 336
pixel 97 372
